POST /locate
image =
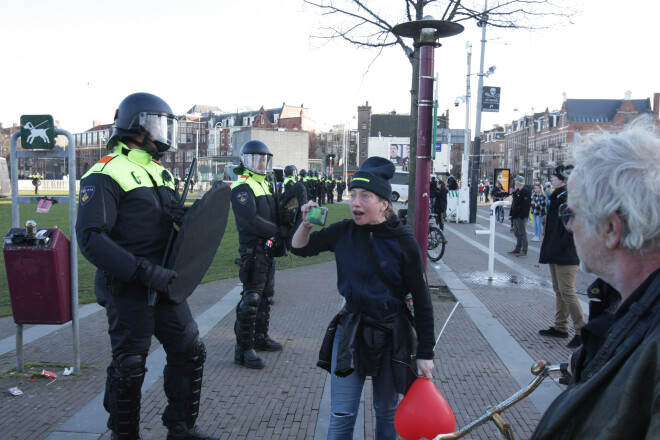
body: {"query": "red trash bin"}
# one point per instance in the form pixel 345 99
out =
pixel 39 276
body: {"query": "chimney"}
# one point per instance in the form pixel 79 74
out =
pixel 656 104
pixel 96 123
pixel 563 97
pixel 628 95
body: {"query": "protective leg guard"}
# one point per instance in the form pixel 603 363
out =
pixel 183 386
pixel 261 339
pixel 123 393
pixel 246 314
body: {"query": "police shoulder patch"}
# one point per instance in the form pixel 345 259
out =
pixel 242 197
pixel 86 193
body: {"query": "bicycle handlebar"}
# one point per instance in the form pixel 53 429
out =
pixel 540 369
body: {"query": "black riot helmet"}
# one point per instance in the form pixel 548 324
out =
pixel 145 114
pixel 290 170
pixel 302 173
pixel 256 157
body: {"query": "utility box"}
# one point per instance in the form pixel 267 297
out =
pixel 38 275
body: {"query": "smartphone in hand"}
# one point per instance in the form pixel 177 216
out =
pixel 317 215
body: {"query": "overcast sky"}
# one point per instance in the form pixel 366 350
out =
pixel 76 60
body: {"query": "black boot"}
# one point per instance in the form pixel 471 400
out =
pixel 248 357
pixel 180 431
pixel 263 342
pixel 246 313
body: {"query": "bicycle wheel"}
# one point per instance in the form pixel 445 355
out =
pixel 435 244
pixel 499 213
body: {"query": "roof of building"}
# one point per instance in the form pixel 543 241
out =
pixel 601 110
pixel 204 109
pixel 390 125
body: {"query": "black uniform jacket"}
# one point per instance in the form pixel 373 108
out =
pixel 254 208
pixel 123 211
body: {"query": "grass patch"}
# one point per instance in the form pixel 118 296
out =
pixel 223 265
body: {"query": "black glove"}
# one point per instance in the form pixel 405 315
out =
pixel 176 212
pixel 155 276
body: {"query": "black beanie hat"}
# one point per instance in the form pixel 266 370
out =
pixel 374 175
pixel 562 172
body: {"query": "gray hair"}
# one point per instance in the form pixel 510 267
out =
pixel 620 173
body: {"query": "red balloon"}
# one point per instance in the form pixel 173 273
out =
pixel 423 412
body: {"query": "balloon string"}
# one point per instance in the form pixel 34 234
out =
pixel 446 322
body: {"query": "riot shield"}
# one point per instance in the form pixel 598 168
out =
pixel 197 241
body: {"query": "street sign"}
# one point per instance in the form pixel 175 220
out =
pixel 37 132
pixel 490 99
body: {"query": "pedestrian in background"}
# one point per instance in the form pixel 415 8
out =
pixel 440 207
pixel 614 212
pixel 378 263
pixel 558 250
pixel 522 200
pixel 486 191
pixel 539 206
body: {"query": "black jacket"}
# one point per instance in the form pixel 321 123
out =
pixel 363 338
pixel 557 246
pixel 400 259
pixel 522 201
pixel 124 212
pixel 615 386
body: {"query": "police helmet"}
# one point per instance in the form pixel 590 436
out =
pixel 145 114
pixel 302 173
pixel 256 157
pixel 290 170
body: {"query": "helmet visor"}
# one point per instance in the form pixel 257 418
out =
pixel 258 163
pixel 160 128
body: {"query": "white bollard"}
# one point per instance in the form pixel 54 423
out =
pixel 491 232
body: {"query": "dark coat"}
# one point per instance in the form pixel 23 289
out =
pixel 522 201
pixel 557 246
pixel 614 391
pixel 441 201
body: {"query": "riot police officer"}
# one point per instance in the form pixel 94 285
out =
pixel 341 186
pixel 127 208
pixel 260 240
pixel 293 197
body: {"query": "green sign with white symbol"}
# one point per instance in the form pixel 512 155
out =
pixel 37 132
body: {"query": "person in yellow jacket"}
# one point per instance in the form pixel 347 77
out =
pixel 127 208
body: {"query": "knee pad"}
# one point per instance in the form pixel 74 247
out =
pixel 130 367
pixel 250 301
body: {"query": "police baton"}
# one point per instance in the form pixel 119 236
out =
pixel 153 295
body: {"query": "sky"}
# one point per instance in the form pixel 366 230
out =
pixel 77 59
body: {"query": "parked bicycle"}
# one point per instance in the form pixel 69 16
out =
pixel 436 241
pixel 499 210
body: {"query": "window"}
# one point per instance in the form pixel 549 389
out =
pixel 189 155
pixel 262 119
pixel 626 118
pixel 176 172
pixel 364 140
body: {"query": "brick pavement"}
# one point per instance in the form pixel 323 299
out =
pixel 283 400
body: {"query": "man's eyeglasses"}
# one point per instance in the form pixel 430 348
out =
pixel 566 216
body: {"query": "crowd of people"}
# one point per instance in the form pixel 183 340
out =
pixel 129 206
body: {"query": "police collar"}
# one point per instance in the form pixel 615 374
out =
pixel 135 155
pixel 256 176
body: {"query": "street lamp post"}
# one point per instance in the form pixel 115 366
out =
pixel 474 171
pixel 426 32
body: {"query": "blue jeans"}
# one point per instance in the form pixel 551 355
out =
pixel 345 395
pixel 538 225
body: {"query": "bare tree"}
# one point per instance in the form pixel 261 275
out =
pixel 369 25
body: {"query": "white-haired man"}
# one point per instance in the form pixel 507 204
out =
pixel 613 210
